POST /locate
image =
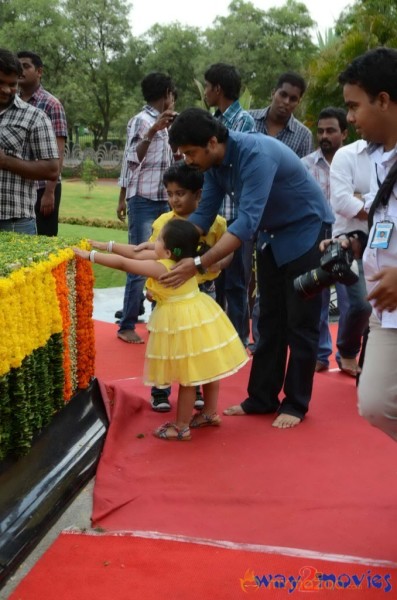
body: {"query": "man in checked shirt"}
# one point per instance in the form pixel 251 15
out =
pixel 147 155
pixel 31 91
pixel 28 151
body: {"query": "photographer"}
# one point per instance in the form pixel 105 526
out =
pixel 350 182
pixel 370 92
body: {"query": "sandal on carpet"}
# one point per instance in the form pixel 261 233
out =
pixel 167 431
pixel 203 420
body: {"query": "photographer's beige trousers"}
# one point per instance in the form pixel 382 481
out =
pixel 377 392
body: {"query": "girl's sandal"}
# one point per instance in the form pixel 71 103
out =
pixel 171 432
pixel 203 420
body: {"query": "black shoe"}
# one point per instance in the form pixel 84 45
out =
pixel 118 314
pixel 160 403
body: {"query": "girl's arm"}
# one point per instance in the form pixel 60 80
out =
pixel 127 250
pixel 147 268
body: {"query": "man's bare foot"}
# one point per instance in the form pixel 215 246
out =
pixel 349 366
pixel 130 336
pixel 235 410
pixel 285 421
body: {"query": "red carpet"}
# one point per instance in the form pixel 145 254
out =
pixel 330 485
pixel 86 567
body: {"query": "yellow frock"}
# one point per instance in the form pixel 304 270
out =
pixel 191 340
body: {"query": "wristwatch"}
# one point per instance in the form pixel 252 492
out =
pixel 199 266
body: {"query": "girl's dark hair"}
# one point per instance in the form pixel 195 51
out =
pixel 189 178
pixel 181 238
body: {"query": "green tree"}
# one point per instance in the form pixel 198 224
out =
pixel 89 174
pixel 175 49
pixel 365 25
pixel 100 32
pixel 40 26
pixel 262 44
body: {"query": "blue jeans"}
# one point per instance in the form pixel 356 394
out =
pixel 141 214
pixel 354 313
pixel 232 293
pixel 23 225
pixel 325 340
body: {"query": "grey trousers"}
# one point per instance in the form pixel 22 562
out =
pixel 377 391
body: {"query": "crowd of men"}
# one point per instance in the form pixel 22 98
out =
pixel 284 202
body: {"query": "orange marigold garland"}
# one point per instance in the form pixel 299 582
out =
pixel 71 278
pixel 85 324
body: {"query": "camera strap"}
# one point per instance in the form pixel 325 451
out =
pixel 383 193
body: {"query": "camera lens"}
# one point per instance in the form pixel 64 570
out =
pixel 311 283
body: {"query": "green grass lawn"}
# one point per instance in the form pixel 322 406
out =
pixel 100 203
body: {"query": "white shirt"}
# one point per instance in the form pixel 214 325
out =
pixel 318 166
pixel 376 259
pixel 350 173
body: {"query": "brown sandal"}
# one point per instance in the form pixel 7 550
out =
pixel 163 433
pixel 203 420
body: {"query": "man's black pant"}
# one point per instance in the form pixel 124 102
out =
pixel 48 225
pixel 287 322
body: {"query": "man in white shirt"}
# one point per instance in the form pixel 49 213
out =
pixel 331 133
pixel 350 180
pixel 370 92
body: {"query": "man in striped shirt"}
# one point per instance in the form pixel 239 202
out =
pixel 278 120
pixel 28 151
pixel 32 92
pixel 147 155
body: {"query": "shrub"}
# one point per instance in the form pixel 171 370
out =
pixel 89 173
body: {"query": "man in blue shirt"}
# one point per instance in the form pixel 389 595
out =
pixel 280 200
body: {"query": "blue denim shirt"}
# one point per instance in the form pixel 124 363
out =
pixel 274 192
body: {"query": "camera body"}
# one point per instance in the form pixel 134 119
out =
pixel 336 265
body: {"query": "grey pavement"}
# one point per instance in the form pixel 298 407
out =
pixel 78 514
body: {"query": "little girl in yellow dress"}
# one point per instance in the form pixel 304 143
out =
pixel 191 340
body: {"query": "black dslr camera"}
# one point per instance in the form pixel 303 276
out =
pixel 336 265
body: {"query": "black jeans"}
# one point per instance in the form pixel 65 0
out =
pixel 48 225
pixel 287 322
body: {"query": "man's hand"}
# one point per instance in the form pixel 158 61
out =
pixel 164 120
pixel 345 242
pixel 3 160
pixel 184 270
pixel 47 203
pixel 385 293
pixel 122 206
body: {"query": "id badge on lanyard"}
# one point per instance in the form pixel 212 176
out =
pixel 382 235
